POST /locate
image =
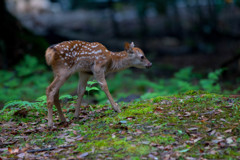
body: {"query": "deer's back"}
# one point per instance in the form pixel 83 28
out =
pixel 79 55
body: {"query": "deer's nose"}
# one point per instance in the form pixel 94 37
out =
pixel 149 65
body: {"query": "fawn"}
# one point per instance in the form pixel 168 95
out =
pixel 87 59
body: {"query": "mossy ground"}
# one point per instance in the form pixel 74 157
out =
pixel 190 125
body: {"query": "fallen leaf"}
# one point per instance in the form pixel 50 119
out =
pixel 213 152
pixel 197 139
pixel 212 132
pixel 229 140
pixel 152 157
pixel 168 148
pixel 69 139
pixel 223 120
pixel 208 129
pixel 13 151
pixel 75 132
pixel 130 118
pixel 83 155
pixel 193 129
pixel 138 131
pixel 184 150
pixel 222 144
pixel 123 122
pixel 228 131
pixel 129 138
pixel 113 136
pixel 79 138
pixel 145 142
pixel 187 114
pixel 21 155
pixel 190 158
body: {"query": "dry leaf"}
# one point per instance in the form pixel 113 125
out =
pixel 13 151
pixel 228 131
pixel 229 140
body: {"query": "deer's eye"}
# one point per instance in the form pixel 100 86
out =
pixel 142 57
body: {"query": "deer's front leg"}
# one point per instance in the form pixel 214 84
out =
pixel 100 77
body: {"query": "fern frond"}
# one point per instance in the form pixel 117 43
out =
pixel 66 96
pixel 18 103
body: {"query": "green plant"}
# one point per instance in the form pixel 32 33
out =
pixel 90 86
pixel 211 84
pixel 27 81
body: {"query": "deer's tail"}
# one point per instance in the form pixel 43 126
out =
pixel 49 55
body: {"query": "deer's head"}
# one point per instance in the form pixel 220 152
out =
pixel 137 56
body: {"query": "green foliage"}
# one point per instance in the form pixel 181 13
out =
pixel 90 87
pixel 184 80
pixel 39 106
pixel 184 74
pixel 30 79
pixel 211 84
pixel 28 66
pixel 12 107
pixel 27 81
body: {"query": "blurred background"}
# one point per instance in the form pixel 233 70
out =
pixel 193 44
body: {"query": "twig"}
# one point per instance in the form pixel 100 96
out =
pixel 7 143
pixel 47 149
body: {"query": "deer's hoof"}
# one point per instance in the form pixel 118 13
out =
pixel 117 110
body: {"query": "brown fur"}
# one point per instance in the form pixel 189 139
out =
pixel 69 57
pixel 49 55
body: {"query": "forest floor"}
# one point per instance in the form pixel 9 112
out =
pixel 193 125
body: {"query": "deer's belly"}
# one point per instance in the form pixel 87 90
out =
pixel 84 66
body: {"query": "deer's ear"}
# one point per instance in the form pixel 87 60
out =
pixel 127 46
pixel 132 45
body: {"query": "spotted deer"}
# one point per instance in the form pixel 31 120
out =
pixel 87 59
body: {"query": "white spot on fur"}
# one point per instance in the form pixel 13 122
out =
pixel 98 51
pixel 94 46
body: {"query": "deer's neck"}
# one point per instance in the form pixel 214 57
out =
pixel 120 61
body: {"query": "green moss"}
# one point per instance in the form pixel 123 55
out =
pixel 105 144
pixel 138 149
pixel 195 92
pixel 134 110
pixel 160 98
pixel 163 139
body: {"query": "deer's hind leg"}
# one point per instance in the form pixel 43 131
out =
pixel 52 94
pixel 83 78
pixel 58 106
